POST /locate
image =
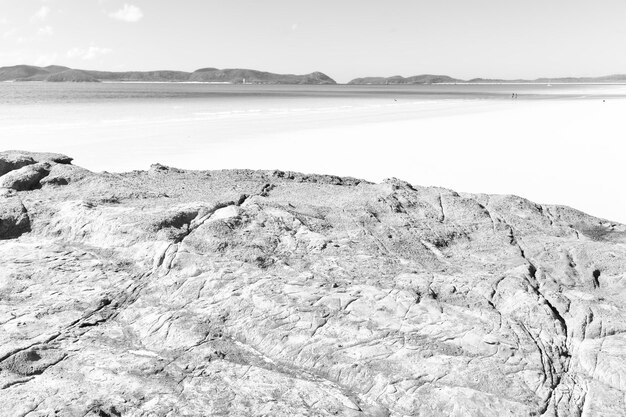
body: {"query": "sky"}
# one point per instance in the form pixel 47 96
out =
pixel 342 38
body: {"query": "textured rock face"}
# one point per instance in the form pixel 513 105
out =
pixel 25 178
pixel 170 292
pixel 14 219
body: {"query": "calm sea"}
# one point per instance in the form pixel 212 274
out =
pixel 464 137
pixel 37 92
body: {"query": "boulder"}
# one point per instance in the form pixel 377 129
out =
pixel 14 220
pixel 63 174
pixel 25 178
pixel 10 161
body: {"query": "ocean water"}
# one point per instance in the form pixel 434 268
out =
pixel 148 122
pixel 553 144
pixel 78 115
pixel 63 93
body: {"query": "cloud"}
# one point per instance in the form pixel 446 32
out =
pixel 128 13
pixel 88 53
pixel 9 33
pixel 14 34
pixel 45 60
pixel 294 26
pixel 41 14
pixel 45 31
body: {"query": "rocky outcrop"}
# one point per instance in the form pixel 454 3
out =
pixel 23 171
pixel 25 178
pixel 173 292
pixel 63 174
pixel 10 160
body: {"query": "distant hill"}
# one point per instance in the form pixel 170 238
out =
pixel 397 79
pixel 55 73
pixel 238 76
pixel 71 75
pixel 605 79
pixel 27 71
pixel 141 76
pixel 438 79
pixel 56 68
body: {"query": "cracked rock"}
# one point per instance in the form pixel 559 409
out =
pixel 250 293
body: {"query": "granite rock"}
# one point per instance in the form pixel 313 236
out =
pixel 11 160
pixel 171 292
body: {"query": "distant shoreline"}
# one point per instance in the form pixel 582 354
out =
pixel 57 73
pixel 317 85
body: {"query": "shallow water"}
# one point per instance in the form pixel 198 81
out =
pixel 558 144
pixel 39 92
pixel 210 112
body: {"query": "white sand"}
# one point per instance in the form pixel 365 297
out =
pixel 550 151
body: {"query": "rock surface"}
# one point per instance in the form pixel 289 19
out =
pixel 169 292
pixel 14 219
pixel 25 178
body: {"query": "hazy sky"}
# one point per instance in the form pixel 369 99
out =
pixel 343 38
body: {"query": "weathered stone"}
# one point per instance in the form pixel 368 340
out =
pixel 11 161
pixel 63 174
pixel 14 219
pixel 31 361
pixel 173 292
pixel 25 178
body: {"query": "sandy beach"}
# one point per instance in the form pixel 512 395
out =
pixel 484 145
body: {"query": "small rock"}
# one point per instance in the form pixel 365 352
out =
pixel 14 220
pixel 163 169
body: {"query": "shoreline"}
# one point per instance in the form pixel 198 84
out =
pixel 557 151
pixel 325 85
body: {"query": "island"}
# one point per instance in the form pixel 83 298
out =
pixel 58 73
pixel 444 79
pixel 55 73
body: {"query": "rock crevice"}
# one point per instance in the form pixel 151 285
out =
pixel 173 292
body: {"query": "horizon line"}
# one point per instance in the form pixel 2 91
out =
pixel 434 74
